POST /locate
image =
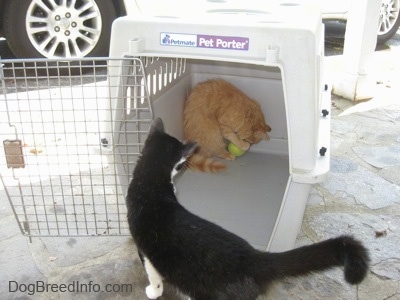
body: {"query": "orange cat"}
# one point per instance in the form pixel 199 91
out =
pixel 216 113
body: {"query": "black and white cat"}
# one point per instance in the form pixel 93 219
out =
pixel 201 259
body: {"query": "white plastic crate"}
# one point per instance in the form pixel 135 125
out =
pixel 276 58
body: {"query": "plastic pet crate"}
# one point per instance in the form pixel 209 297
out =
pixel 276 58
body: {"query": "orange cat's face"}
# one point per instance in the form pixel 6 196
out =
pixel 254 128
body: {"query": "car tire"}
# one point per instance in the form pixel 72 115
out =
pixel 60 31
pixel 389 21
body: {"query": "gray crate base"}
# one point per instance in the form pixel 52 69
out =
pixel 245 199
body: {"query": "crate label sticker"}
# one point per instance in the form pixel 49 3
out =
pixel 178 39
pixel 204 41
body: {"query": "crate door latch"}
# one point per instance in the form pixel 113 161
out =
pixel 14 153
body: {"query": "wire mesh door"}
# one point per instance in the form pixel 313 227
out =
pixel 68 129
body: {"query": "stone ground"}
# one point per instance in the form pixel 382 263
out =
pixel 361 196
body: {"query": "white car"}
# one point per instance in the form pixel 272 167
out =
pixel 389 21
pixel 60 28
pixel 78 28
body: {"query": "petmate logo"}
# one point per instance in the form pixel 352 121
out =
pixel 204 41
pixel 178 39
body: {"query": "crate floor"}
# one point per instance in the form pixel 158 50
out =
pixel 245 199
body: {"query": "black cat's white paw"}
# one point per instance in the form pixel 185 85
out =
pixel 154 292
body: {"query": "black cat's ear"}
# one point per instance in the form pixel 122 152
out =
pixel 157 125
pixel 189 148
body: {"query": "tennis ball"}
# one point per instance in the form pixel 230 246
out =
pixel 235 150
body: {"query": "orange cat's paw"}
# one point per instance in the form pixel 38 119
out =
pixel 228 156
pixel 243 145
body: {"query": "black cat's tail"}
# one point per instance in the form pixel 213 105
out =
pixel 341 251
